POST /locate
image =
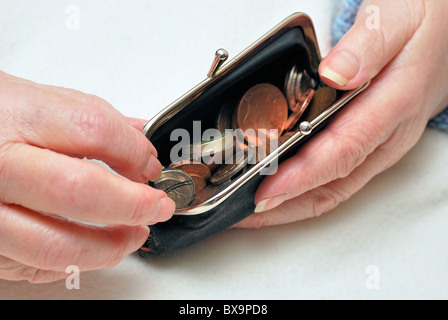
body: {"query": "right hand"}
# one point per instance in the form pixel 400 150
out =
pixel 46 189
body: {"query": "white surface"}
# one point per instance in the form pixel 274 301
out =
pixel 140 56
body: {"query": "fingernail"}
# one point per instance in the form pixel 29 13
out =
pixel 341 68
pixel 271 203
pixel 166 209
pixel 153 168
pixel 140 236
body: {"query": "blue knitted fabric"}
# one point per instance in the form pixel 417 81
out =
pixel 343 22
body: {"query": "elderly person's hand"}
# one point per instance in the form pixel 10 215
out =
pixel 406 56
pixel 47 188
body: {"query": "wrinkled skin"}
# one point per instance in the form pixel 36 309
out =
pixel 406 59
pixel 45 184
pixel 47 189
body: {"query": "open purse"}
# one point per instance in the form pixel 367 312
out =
pixel 270 61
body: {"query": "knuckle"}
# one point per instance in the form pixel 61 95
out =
pixel 34 275
pixel 144 203
pixel 139 153
pixel 7 152
pixel 55 253
pixel 261 219
pixel 95 101
pixel 17 272
pixel 351 149
pixel 119 248
pixel 71 190
pixel 121 251
pixel 327 198
pixel 95 128
pixel 71 186
pixel 349 159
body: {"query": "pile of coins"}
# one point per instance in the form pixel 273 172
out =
pixel 263 108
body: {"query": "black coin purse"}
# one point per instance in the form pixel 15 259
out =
pixel 268 60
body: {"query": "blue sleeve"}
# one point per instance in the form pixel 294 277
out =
pixel 343 22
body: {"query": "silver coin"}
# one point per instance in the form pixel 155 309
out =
pixel 303 86
pixel 290 87
pixel 213 147
pixel 224 119
pixel 178 186
pixel 297 83
pixel 299 110
pixel 228 171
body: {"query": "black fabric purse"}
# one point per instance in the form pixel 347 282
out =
pixel 268 60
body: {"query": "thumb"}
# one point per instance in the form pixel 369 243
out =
pixel 382 28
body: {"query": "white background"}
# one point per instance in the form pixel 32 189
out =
pixel 142 55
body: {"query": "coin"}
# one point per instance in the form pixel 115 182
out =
pixel 228 171
pixel 286 136
pixel 299 110
pixel 198 169
pixel 199 172
pixel 214 147
pixel 262 107
pixel 224 119
pixel 302 88
pixel 178 186
pixel 290 85
pixel 209 192
pixel 323 98
pixel 199 183
pixel 266 148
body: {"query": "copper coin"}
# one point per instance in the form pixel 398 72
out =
pixel 208 193
pixel 286 136
pixel 215 162
pixel 263 107
pixel 199 183
pixel 299 110
pixel 194 169
pixel 323 98
pixel 266 148
pixel 235 119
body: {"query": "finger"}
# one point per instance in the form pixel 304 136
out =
pixel 48 243
pixel 376 37
pixel 81 127
pixel 102 104
pixel 96 101
pixel 72 93
pixel 16 271
pixel 78 189
pixel 324 198
pixel 136 123
pixel 346 142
